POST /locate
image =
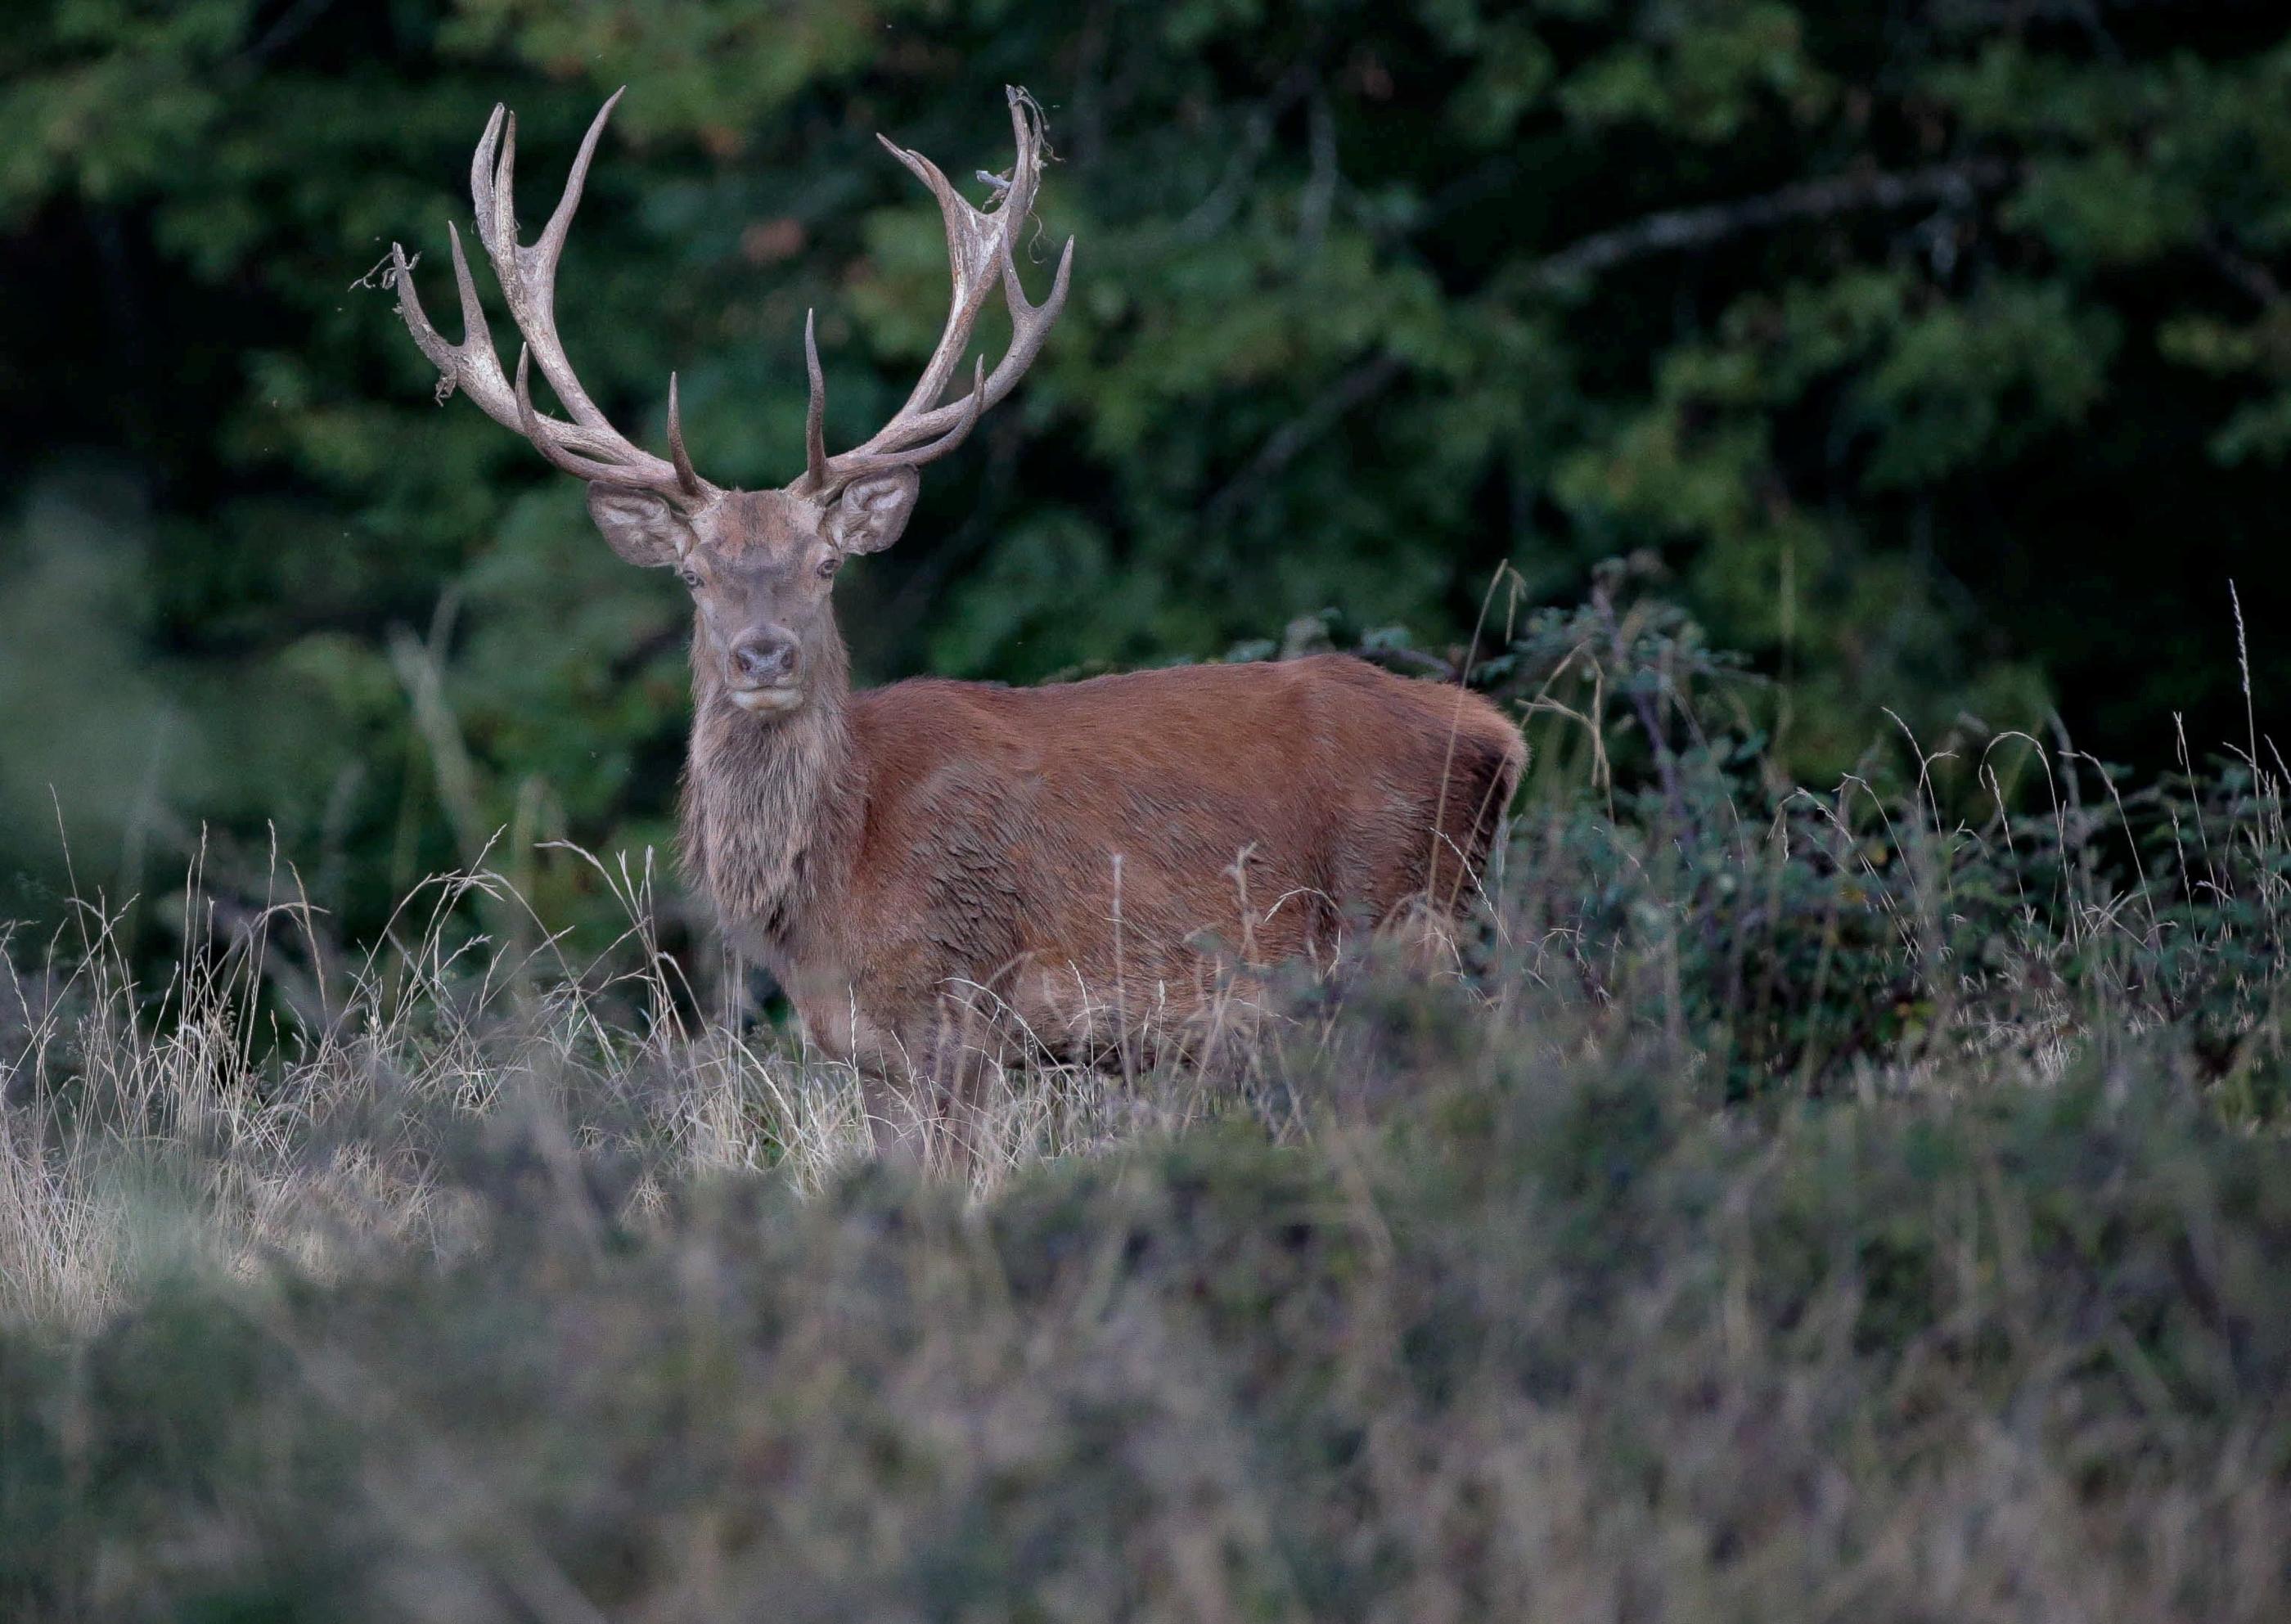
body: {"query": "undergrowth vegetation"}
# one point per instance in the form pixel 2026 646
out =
pixel 1865 1201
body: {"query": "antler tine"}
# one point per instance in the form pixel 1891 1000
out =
pixel 498 210
pixel 529 276
pixel 471 365
pixel 973 245
pixel 815 415
pixel 1026 137
pixel 977 241
pixel 431 343
pixel 857 464
pixel 686 477
pixel 588 446
pixel 980 251
pixel 576 179
pixel 477 332
pixel 1030 326
pixel 481 175
pixel 536 428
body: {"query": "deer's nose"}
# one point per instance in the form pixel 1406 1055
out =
pixel 764 655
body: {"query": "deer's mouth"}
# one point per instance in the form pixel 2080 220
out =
pixel 767 701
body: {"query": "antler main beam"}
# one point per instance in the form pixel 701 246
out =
pixel 981 248
pixel 587 447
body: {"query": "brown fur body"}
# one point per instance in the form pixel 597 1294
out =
pixel 941 863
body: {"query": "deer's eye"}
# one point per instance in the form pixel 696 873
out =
pixel 690 577
pixel 828 565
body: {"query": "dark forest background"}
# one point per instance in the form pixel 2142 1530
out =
pixel 1934 354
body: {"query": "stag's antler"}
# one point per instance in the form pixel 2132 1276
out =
pixel 981 251
pixel 587 447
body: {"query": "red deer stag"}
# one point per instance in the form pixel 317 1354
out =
pixel 936 869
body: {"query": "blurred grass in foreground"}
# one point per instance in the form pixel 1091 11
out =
pixel 1782 1205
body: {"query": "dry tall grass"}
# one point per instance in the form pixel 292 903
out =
pixel 263 1104
pixel 1776 1205
pixel 270 1099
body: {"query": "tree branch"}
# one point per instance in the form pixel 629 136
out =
pixel 2246 273
pixel 291 25
pixel 1673 230
pixel 1670 231
pixel 1370 378
pixel 1211 214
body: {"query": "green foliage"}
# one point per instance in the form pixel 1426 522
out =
pixel 1371 302
pixel 1981 888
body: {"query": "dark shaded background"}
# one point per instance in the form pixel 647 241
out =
pixel 1938 350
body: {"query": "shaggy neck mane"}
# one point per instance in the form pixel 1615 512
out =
pixel 770 802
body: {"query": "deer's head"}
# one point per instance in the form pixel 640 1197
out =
pixel 761 565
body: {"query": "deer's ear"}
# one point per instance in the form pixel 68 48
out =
pixel 871 511
pixel 641 527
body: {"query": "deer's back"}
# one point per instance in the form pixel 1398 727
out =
pixel 1056 843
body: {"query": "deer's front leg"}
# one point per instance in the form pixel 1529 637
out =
pixel 894 1089
pixel 922 1081
pixel 962 1060
pixel 899 1117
